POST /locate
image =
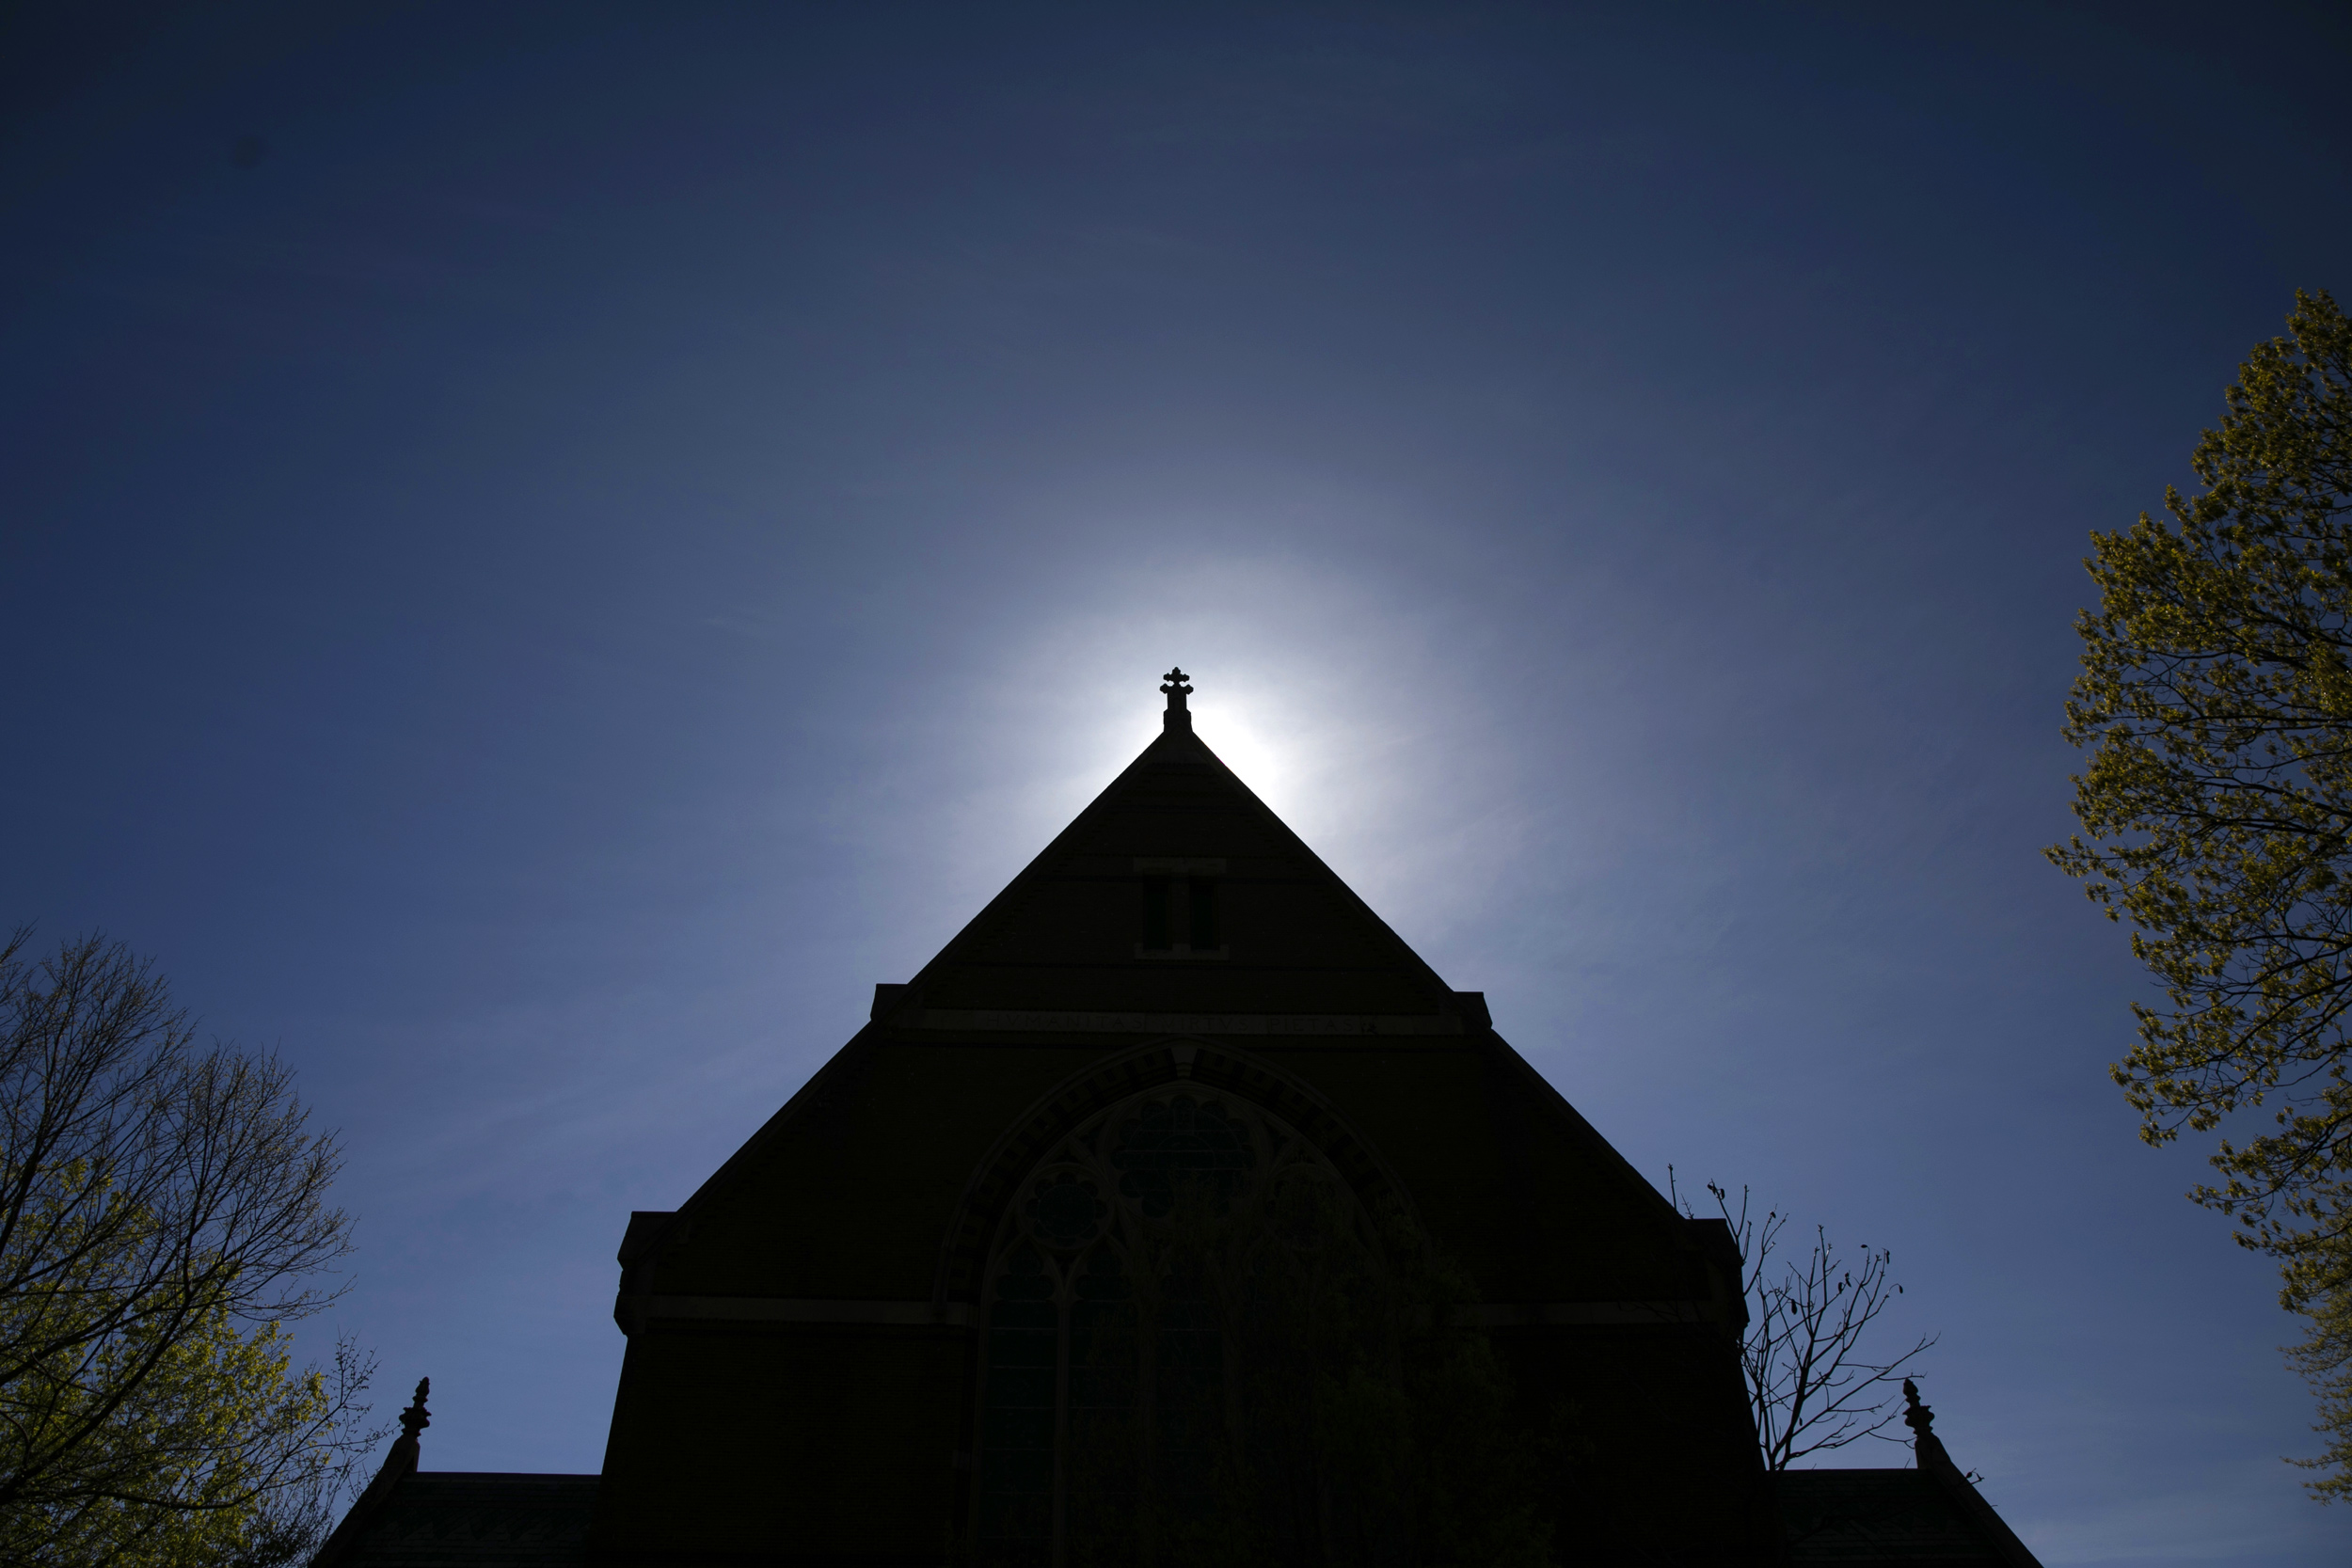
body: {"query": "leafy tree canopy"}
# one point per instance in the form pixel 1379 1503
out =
pixel 163 1219
pixel 2216 699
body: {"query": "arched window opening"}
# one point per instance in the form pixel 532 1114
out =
pixel 1166 1287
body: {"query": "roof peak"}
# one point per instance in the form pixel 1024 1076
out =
pixel 1177 686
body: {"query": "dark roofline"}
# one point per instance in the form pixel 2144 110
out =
pixel 587 1478
pixel 649 1228
pixel 1955 1485
pixel 641 1240
pixel 1183 741
pixel 400 1462
pixel 1696 1235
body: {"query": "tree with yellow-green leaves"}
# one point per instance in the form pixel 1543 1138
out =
pixel 2216 698
pixel 163 1219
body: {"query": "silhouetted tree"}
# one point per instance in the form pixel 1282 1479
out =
pixel 2217 813
pixel 162 1217
pixel 1813 1384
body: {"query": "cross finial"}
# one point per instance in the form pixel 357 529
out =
pixel 417 1417
pixel 1177 689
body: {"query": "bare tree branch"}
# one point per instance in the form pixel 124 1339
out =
pixel 163 1215
pixel 1811 1386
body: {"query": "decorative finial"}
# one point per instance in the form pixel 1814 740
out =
pixel 1917 1416
pixel 1177 689
pixel 417 1417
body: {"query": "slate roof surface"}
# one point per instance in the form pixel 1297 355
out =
pixel 1862 1518
pixel 478 1519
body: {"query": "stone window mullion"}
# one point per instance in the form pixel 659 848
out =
pixel 1062 1422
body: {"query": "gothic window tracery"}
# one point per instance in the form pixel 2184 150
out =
pixel 1122 1273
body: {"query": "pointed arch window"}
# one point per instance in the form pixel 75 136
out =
pixel 1127 1277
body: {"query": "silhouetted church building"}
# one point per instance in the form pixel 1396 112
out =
pixel 1176 1212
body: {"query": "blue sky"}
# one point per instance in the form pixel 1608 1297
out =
pixel 625 526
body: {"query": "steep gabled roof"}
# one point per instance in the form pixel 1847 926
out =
pixel 1291 936
pixel 1295 957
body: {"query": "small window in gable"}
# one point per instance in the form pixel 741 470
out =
pixel 1203 897
pixel 1180 907
pixel 1158 894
